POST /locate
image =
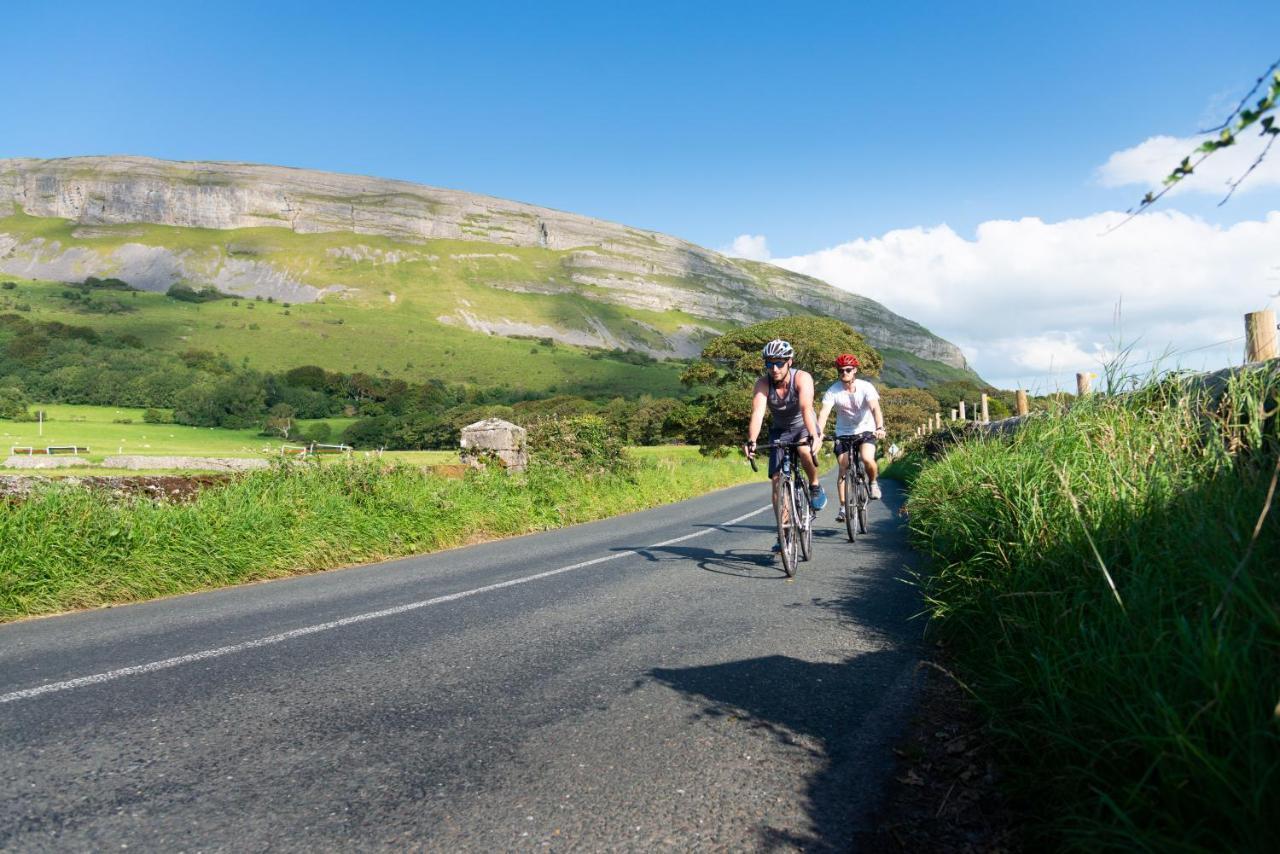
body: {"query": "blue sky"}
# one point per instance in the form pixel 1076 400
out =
pixel 811 125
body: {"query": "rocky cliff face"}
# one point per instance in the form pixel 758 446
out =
pixel 614 263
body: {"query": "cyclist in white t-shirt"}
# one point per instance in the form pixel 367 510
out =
pixel 859 422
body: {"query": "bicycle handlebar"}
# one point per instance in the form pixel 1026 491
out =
pixel 769 446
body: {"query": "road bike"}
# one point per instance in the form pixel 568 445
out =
pixel 791 506
pixel 857 489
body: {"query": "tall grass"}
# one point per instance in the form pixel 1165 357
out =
pixel 70 547
pixel 1109 579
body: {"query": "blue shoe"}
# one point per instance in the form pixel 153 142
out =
pixel 819 499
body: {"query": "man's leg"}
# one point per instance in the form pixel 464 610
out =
pixel 817 498
pixel 810 467
pixel 777 508
pixel 869 461
pixel 844 468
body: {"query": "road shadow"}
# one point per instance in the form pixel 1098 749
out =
pixel 743 563
pixel 835 712
pixel 845 714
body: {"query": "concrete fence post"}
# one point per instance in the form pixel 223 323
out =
pixel 1023 408
pixel 986 418
pixel 962 415
pixel 1082 385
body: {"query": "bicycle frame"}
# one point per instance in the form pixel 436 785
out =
pixel 791 506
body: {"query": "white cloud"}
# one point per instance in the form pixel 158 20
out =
pixel 1032 302
pixel 1147 164
pixel 753 247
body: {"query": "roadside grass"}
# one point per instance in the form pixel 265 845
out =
pixel 67 547
pixel 1107 579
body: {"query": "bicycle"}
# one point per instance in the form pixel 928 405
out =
pixel 791 505
pixel 857 489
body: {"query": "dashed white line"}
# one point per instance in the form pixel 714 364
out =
pixel 164 664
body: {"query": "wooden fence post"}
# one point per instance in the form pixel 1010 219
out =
pixel 1023 408
pixel 986 417
pixel 962 417
pixel 1260 336
pixel 1082 385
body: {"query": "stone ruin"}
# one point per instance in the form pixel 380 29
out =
pixel 493 439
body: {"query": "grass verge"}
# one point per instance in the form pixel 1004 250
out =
pixel 1108 581
pixel 68 547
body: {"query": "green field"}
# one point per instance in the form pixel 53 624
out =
pixel 99 429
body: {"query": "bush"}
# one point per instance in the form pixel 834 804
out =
pixel 186 293
pixel 157 416
pixel 13 403
pixel 318 432
pixel 582 443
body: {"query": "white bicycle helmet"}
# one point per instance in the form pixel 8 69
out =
pixel 778 349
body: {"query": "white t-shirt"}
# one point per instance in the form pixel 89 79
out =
pixel 853 408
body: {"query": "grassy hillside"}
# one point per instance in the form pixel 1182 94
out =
pixel 439 308
pixel 391 341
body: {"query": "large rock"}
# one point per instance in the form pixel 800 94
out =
pixel 494 440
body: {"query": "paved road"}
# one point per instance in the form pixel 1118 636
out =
pixel 646 682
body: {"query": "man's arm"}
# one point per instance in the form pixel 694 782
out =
pixel 758 402
pixel 804 385
pixel 874 406
pixel 827 404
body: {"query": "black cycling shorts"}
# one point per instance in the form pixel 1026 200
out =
pixel 851 443
pixel 777 455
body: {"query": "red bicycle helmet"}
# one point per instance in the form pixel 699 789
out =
pixel 847 360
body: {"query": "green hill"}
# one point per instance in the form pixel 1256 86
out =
pixel 395 279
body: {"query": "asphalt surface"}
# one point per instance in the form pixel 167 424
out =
pixel 641 694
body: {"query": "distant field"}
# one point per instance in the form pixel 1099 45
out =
pixel 97 427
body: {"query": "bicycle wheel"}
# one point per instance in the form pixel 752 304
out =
pixel 804 519
pixel 782 502
pixel 864 497
pixel 850 504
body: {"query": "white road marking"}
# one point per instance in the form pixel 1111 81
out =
pixel 164 664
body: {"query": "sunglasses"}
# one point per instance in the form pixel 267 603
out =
pixel 772 364
pixel 847 370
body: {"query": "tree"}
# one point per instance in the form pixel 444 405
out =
pixel 904 409
pixel 730 365
pixel 279 420
pixel 1240 120
pixel 13 403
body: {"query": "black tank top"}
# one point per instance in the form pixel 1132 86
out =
pixel 785 410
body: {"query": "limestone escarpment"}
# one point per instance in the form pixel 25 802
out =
pixel 603 261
